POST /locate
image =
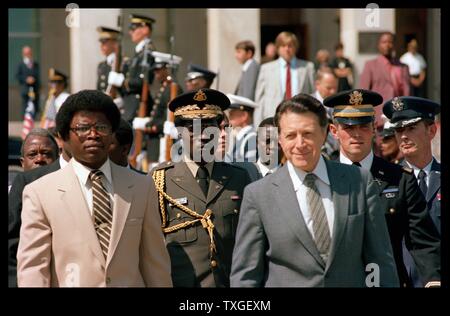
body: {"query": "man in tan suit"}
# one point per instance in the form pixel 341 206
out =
pixel 89 223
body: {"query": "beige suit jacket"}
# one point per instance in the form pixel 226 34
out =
pixel 59 247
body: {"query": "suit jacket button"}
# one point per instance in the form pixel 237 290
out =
pixel 392 210
pixel 178 215
pixel 404 285
pixel 213 263
pixel 236 211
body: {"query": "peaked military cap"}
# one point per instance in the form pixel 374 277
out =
pixel 404 111
pixel 164 59
pixel 140 20
pixel 196 71
pixel 106 33
pixel 241 103
pixel 199 104
pixel 354 107
pixel 55 75
pixel 388 130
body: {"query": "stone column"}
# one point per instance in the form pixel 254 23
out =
pixel 225 28
pixel 85 48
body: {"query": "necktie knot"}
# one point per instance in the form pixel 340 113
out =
pixel 95 175
pixel 202 173
pixel 310 178
pixel 422 175
pixel 356 164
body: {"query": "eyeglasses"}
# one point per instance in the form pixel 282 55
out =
pixel 85 129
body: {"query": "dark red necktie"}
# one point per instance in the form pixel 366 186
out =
pixel 288 94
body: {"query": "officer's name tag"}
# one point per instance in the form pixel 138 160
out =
pixel 390 193
pixel 182 201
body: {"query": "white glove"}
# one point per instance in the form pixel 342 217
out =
pixel 115 78
pixel 170 130
pixel 119 102
pixel 140 122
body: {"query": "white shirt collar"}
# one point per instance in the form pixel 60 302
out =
pixel 110 58
pixel 298 175
pixel 283 62
pixel 416 170
pixel 62 162
pixel 83 172
pixel 141 44
pixel 318 96
pixel 366 163
pixel 264 169
pixel 247 64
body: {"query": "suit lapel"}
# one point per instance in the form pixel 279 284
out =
pixel 75 202
pixel 218 181
pixel 340 190
pixel 289 208
pixel 184 179
pixel 123 195
pixel 301 75
pixel 435 180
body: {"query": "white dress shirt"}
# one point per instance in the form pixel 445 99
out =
pixel 141 44
pixel 264 169
pixel 110 59
pixel 82 172
pixel 416 170
pixel 366 163
pixel 323 185
pixel 415 63
pixel 247 64
pixel 62 162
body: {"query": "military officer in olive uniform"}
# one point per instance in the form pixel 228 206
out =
pixel 198 198
pixel 152 125
pixel 108 39
pixel 133 72
pixel 415 128
pixel 403 203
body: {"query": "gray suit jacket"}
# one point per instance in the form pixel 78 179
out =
pixel 268 92
pixel 247 83
pixel 274 247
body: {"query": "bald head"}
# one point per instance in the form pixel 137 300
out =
pixel 27 52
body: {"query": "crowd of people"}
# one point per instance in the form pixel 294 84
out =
pixel 297 179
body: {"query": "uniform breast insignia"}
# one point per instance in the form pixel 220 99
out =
pixel 182 201
pixel 235 197
pixel 390 193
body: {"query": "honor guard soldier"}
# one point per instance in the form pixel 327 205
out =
pixel 403 203
pixel 108 39
pixel 389 146
pixel 154 122
pixel 57 83
pixel 136 69
pixel 198 77
pixel 414 125
pixel 198 198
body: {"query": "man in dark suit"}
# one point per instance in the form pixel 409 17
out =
pixel 15 206
pixel 28 76
pixel 314 222
pixel 130 79
pixel 415 128
pixel 244 53
pixel 403 204
pixel 199 199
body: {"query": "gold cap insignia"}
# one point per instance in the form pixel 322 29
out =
pixel 397 104
pixel 356 98
pixel 200 96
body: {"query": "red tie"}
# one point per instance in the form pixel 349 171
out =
pixel 288 94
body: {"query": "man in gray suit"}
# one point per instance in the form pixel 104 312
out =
pixel 314 222
pixel 283 78
pixel 244 53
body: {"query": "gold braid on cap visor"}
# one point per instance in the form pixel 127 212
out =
pixel 193 111
pixel 353 110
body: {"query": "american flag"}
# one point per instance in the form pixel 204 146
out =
pixel 28 119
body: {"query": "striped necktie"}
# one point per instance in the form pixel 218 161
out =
pixel 320 223
pixel 102 210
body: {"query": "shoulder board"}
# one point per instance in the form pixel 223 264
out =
pixel 407 169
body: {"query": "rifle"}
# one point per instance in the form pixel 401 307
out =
pixel 173 94
pixel 112 90
pixel 142 107
pixel 50 99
